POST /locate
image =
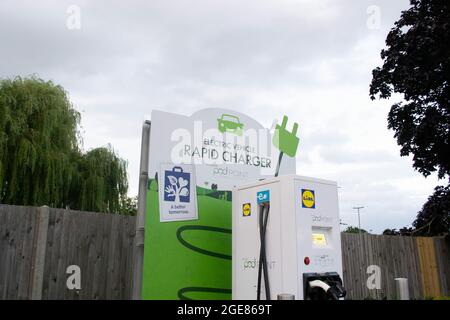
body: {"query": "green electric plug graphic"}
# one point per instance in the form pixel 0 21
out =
pixel 285 141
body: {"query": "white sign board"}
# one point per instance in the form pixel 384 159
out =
pixel 227 148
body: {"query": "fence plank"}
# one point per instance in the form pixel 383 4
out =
pixel 39 249
pixel 443 260
pixel 17 226
pixel 428 266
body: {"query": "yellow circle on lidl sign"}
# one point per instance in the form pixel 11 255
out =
pixel 246 209
pixel 308 198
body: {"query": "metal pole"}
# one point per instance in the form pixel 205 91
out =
pixel 140 219
pixel 359 219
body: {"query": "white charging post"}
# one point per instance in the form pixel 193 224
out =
pixel 302 250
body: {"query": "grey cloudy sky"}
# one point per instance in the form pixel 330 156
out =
pixel 309 59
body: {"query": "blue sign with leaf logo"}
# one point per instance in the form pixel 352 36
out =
pixel 177 185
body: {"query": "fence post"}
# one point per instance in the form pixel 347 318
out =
pixel 402 288
pixel 38 258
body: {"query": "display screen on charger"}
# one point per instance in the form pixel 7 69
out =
pixel 319 239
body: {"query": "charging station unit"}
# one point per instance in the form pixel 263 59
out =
pixel 286 240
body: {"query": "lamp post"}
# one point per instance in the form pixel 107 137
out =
pixel 359 218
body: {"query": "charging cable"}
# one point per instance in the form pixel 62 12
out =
pixel 262 265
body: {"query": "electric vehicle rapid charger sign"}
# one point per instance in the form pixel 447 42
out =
pixel 220 149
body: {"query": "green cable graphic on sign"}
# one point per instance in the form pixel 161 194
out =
pixel 198 249
pixel 183 291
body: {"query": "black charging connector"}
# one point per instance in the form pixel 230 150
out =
pixel 333 282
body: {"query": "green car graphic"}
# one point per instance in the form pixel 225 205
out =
pixel 230 123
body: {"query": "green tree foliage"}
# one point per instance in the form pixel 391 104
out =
pixel 416 64
pixel 41 162
pixel 100 182
pixel 402 232
pixel 391 232
pixel 38 137
pixel 434 218
pixel 129 206
pixel 351 229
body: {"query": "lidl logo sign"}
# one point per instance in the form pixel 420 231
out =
pixel 246 209
pixel 263 196
pixel 308 199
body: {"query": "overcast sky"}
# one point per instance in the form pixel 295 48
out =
pixel 309 59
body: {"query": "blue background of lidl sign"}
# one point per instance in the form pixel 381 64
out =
pixel 314 199
pixel 263 196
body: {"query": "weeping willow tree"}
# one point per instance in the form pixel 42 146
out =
pixel 101 181
pixel 41 162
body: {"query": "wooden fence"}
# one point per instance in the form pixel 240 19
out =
pixel 38 244
pixel 424 261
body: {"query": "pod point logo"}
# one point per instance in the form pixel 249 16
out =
pixel 246 209
pixel 308 199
